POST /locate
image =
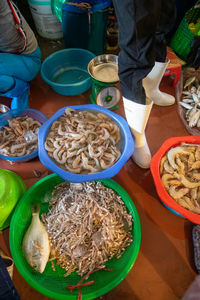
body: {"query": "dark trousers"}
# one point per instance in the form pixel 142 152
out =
pixel 143 26
pixel 7 289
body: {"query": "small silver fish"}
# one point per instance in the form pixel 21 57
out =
pixel 185 105
pixel 35 244
pixel 189 81
pixel 187 93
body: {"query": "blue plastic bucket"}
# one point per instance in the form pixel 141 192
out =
pixel 85 26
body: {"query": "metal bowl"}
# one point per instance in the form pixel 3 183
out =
pixel 3 108
pixel 104 68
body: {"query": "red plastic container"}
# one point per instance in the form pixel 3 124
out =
pixel 155 171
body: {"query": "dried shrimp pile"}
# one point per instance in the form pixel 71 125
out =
pixel 87 225
pixel 180 173
pixel 19 138
pixel 83 141
pixel 191 102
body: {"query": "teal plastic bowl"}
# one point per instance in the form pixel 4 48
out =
pixel 66 71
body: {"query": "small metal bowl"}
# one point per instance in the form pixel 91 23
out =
pixel 104 68
pixel 3 108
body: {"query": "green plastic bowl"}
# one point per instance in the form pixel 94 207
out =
pixel 52 283
pixel 12 189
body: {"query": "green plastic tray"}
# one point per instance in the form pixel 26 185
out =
pixel 52 283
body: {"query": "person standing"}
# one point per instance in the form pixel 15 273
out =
pixel 143 26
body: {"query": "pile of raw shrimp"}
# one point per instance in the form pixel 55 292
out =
pixel 179 170
pixel 83 141
pixel 19 138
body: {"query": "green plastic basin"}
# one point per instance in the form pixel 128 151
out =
pixel 52 283
pixel 12 189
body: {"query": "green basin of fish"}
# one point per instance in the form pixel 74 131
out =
pixel 52 283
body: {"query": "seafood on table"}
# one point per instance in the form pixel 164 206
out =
pixel 180 175
pixel 35 245
pixel 191 102
pixel 87 225
pixel 19 137
pixel 83 141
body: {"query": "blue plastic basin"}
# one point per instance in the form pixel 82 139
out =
pixel 30 112
pixel 66 71
pixel 126 146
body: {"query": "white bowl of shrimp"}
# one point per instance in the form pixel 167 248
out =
pixel 84 143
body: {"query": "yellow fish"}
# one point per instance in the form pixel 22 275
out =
pixel 35 244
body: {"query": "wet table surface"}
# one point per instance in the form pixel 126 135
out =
pixel 164 267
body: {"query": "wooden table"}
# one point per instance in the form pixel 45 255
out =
pixel 164 268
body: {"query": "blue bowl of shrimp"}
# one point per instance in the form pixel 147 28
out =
pixel 19 134
pixel 84 143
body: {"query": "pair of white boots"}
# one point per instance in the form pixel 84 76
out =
pixel 137 115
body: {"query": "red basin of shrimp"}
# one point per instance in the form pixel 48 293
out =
pixel 155 171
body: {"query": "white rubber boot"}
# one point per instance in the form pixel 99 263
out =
pixel 137 116
pixel 151 85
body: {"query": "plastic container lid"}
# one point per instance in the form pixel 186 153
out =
pixel 93 6
pixel 12 189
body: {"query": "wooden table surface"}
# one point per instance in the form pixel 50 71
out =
pixel 164 267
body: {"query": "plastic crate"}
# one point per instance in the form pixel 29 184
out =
pixel 183 37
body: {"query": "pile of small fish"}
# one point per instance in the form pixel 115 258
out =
pixel 180 175
pixel 87 225
pixel 191 101
pixel 19 138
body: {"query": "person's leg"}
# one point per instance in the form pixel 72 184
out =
pixel 6 83
pixel 164 26
pixel 137 21
pixel 152 81
pixel 7 289
pixel 24 67
pixel 15 72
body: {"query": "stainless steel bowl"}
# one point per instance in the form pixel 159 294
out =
pixel 104 68
pixel 3 108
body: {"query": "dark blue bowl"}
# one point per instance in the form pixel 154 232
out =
pixel 66 71
pixel 126 146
